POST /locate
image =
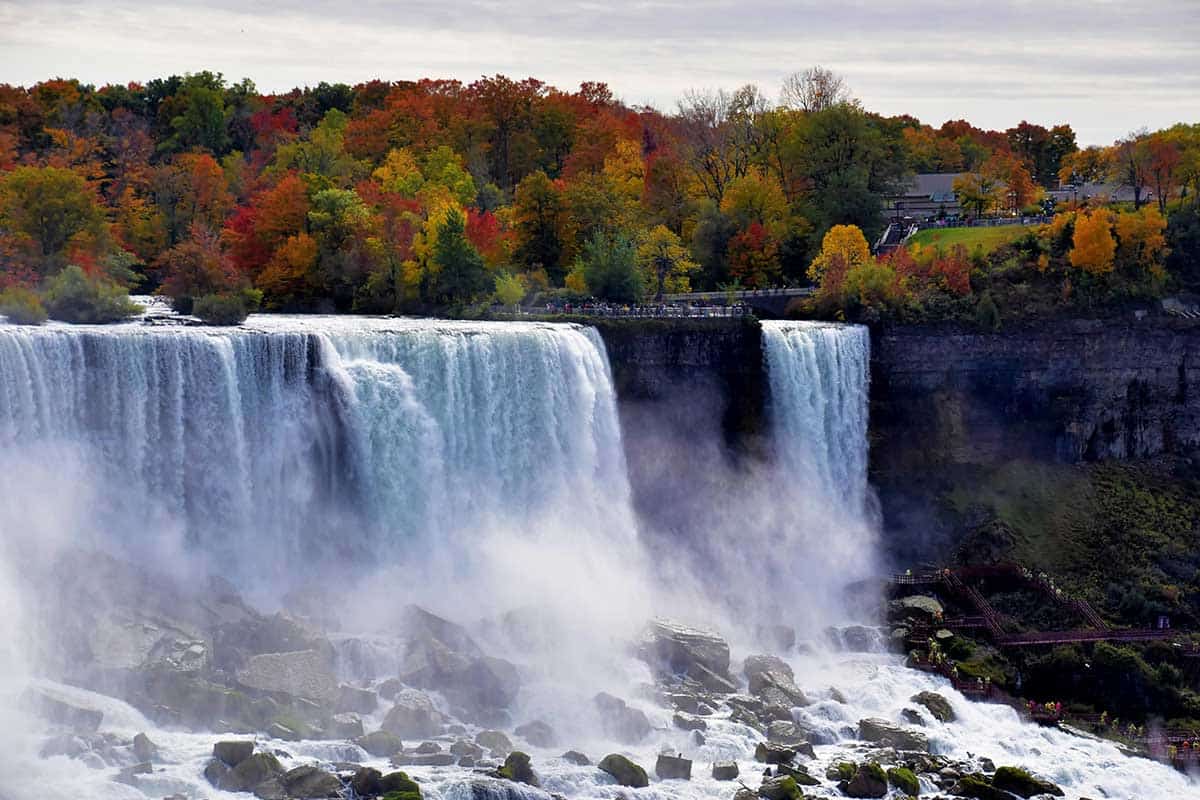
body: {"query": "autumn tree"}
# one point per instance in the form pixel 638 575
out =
pixel 1093 246
pixel 50 206
pixel 196 267
pixel 754 257
pixel 664 262
pixel 842 249
pixel 537 219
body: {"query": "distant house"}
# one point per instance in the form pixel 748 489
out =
pixel 1101 192
pixel 929 195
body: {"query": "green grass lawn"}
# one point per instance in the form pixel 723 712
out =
pixel 986 238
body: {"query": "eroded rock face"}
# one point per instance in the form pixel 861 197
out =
pixel 306 674
pixel 675 650
pixel 772 681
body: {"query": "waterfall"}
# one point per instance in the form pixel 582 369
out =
pixel 818 378
pixel 294 441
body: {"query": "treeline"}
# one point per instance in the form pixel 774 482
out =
pixel 415 196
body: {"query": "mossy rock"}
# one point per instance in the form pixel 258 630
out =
pixel 905 780
pixel 624 770
pixel 869 781
pixel 398 786
pixel 781 787
pixel 517 767
pixel 937 705
pixel 978 787
pixel 1020 782
pixel 841 771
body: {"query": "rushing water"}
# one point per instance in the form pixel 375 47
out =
pixel 490 456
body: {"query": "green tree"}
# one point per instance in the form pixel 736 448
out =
pixel 460 275
pixel 50 206
pixel 610 268
pixel 199 118
pixel 21 306
pixel 536 213
pixel 510 289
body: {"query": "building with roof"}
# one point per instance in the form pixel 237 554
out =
pixel 929 195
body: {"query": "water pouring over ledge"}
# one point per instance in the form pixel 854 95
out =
pixel 485 460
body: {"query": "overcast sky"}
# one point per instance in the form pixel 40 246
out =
pixel 1106 67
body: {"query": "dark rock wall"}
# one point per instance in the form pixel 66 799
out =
pixel 1067 391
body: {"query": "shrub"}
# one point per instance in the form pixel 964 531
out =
pixel 21 306
pixel 221 309
pixel 74 296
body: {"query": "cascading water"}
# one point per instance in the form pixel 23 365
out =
pixel 819 390
pixel 486 460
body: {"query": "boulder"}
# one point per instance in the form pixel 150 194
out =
pixel 577 758
pixel 462 747
pixel 517 767
pixel 398 786
pixel 423 759
pixel 233 752
pixel 917 605
pixel 304 673
pixel 725 770
pixel 381 744
pixel 413 716
pixel 687 722
pixel 345 726
pixel 619 721
pixel 537 733
pixel 143 748
pixel 939 707
pixel 673 768
pixel 869 781
pixel 770 753
pixel 1021 783
pixel 424 748
pixel 624 771
pixel 366 782
pixel 771 680
pixel 128 775
pixel 61 711
pixel 780 787
pixel 672 649
pixel 64 744
pixel 798 773
pixel 978 787
pixel 856 638
pixel 887 733
pixel 271 789
pixel 310 783
pixel 494 741
pixel 905 780
pixel 252 771
pixel 790 734
pixel 390 688
pixel 250 634
pixel 352 700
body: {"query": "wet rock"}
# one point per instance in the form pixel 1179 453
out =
pixel 725 770
pixel 799 773
pixel 250 634
pixel 686 722
pixel 366 782
pixel 790 734
pixel 352 700
pixel 310 783
pixel 986 764
pixel 423 759
pixel 413 716
pixel 779 638
pixel 489 788
pixel 1022 784
pixel 494 741
pixel 462 747
pixel 537 733
pixel 271 789
pixel 277 730
pixel 381 744
pixel 912 716
pixel 938 706
pixel 672 649
pixel 390 688
pixel 143 748
pixel 128 775
pixel 577 758
pixel 869 781
pixel 905 780
pixel 518 767
pixel 887 733
pixel 399 786
pixel 216 772
pixel 625 771
pixel 978 787
pixel 745 793
pixel 61 712
pixel 306 673
pixel 770 753
pixel 424 748
pixel 65 744
pixel 345 726
pixel 669 768
pixel 856 638
pixel 233 752
pixel 780 787
pixel 248 774
pixel 771 680
pixel 619 721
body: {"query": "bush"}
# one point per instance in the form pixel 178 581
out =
pixel 221 309
pixel 74 296
pixel 21 306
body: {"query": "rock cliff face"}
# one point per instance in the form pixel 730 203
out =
pixel 1065 391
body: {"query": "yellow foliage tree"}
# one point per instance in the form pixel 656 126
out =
pixel 1141 242
pixel 1093 246
pixel 399 173
pixel 664 262
pixel 843 248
